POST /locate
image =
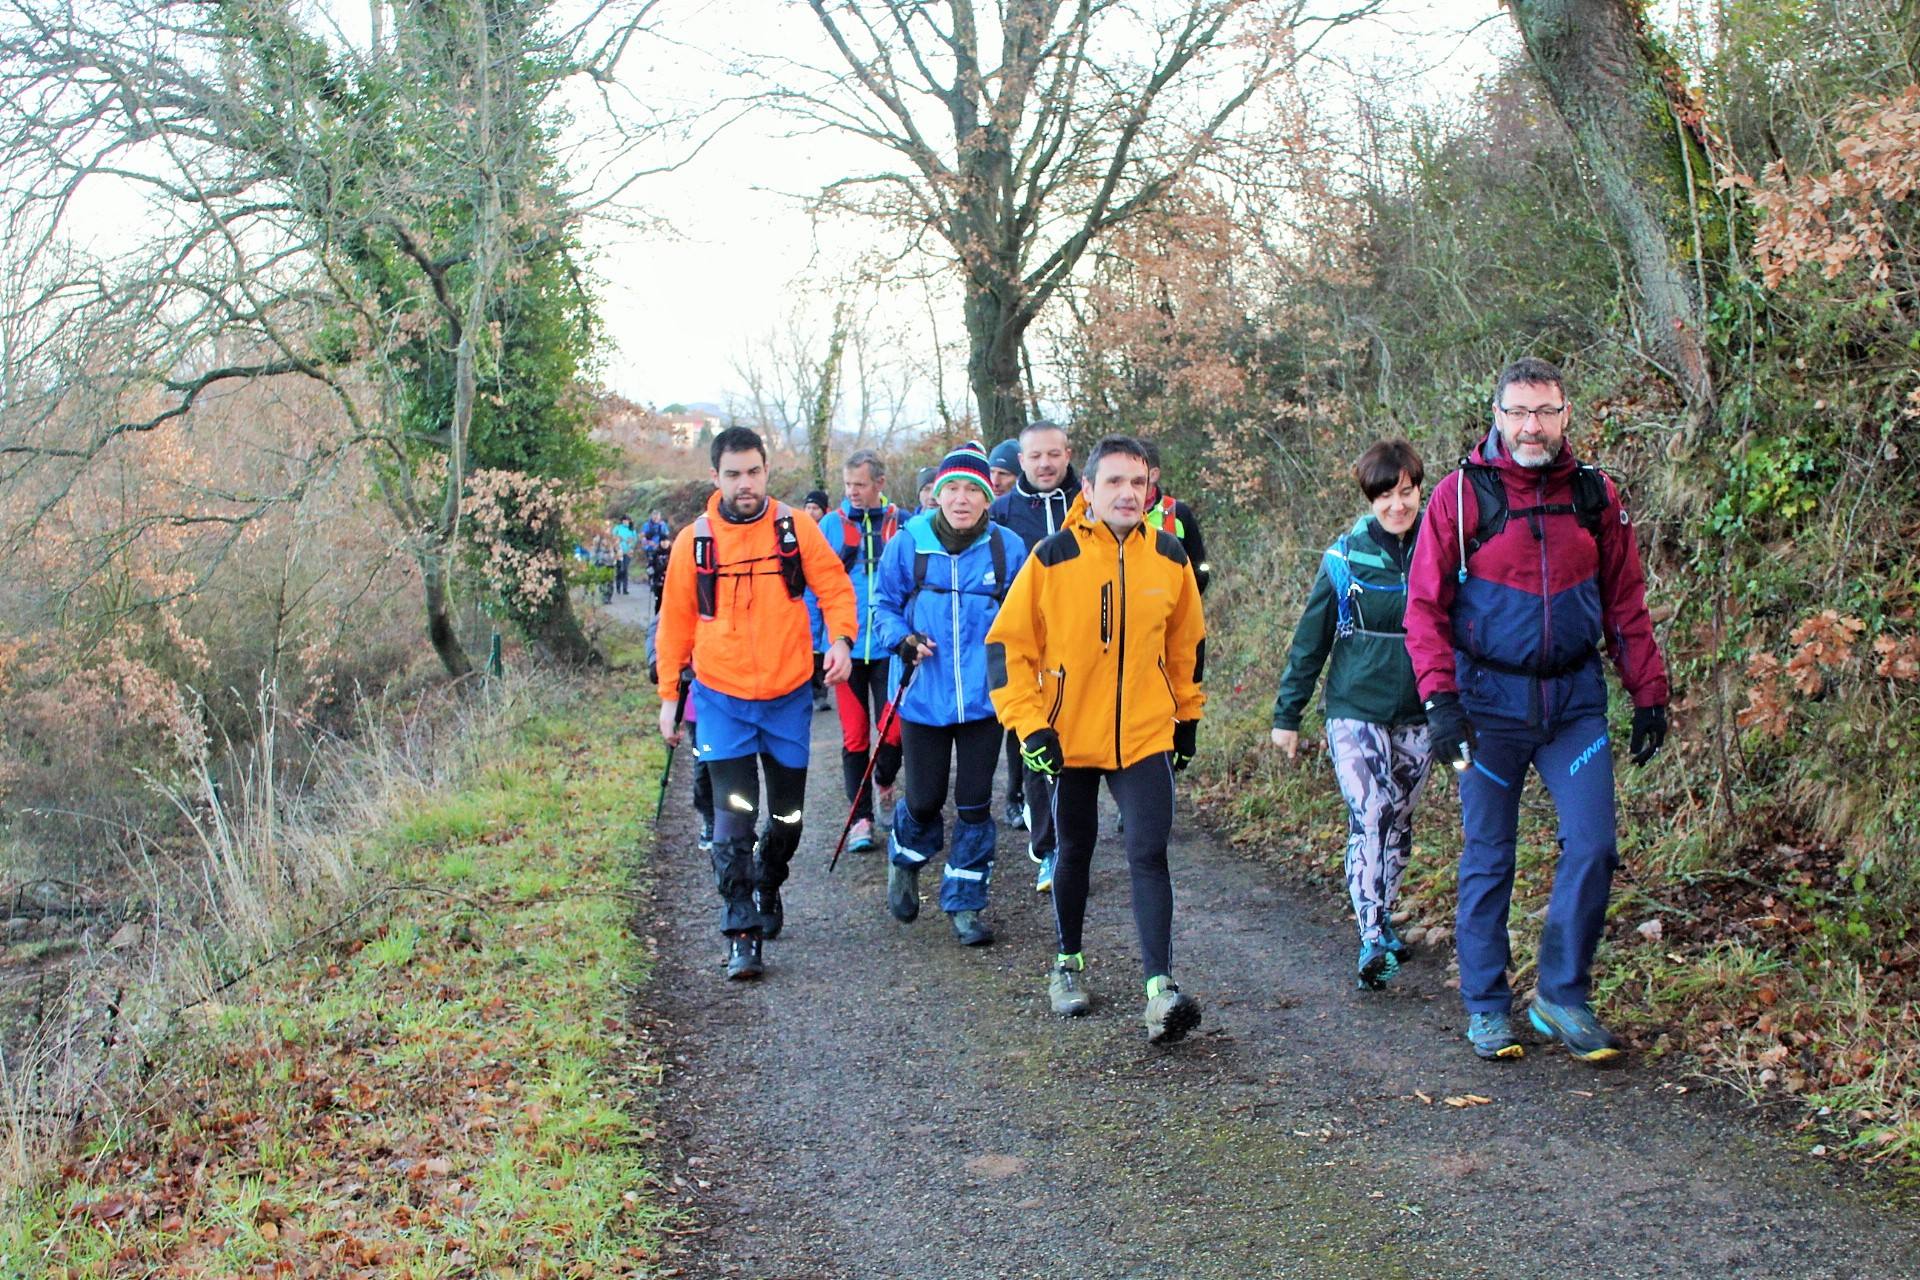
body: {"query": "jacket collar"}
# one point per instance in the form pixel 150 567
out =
pixel 1492 451
pixel 1069 483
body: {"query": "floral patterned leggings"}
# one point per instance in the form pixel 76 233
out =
pixel 1381 772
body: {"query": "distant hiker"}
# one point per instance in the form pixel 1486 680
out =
pixel 732 613
pixel 816 505
pixel 1003 466
pixel 858 531
pixel 1035 509
pixel 1353 624
pixel 1164 511
pixel 624 539
pixel 925 481
pixel 1526 566
pixel 605 557
pixel 656 539
pixel 940 587
pixel 1096 658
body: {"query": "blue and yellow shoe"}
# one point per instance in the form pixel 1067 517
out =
pixel 1377 965
pixel 1574 1026
pixel 1397 946
pixel 1491 1035
pixel 1043 882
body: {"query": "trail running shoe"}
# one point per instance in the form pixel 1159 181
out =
pixel 970 929
pixel 883 805
pixel 860 837
pixel 1065 991
pixel 1170 1012
pixel 903 892
pixel 1491 1035
pixel 1397 946
pixel 773 913
pixel 743 959
pixel 1043 882
pixel 1377 965
pixel 1574 1026
pixel 1015 816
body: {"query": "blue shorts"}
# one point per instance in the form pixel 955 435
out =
pixel 730 727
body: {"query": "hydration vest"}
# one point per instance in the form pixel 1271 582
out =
pixel 1161 516
pixel 851 534
pixel 1347 590
pixel 1589 506
pixel 706 566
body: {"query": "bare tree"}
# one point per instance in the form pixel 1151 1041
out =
pixel 377 219
pixel 1027 132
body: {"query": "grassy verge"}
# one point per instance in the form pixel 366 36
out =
pixel 447 1090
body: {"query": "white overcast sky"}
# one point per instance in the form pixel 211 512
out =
pixel 681 310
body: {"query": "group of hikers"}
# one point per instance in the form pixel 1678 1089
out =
pixel 614 546
pixel 1054 615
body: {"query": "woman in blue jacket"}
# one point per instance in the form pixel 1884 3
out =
pixel 938 590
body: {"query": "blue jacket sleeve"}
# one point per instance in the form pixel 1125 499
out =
pixel 891 587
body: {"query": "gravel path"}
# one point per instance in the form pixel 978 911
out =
pixel 888 1104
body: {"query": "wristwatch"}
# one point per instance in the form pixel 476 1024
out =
pixel 845 640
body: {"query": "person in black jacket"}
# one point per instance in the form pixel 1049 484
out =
pixel 1036 508
pixel 1168 513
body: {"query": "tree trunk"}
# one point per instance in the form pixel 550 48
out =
pixel 561 638
pixel 993 364
pixel 440 631
pixel 1610 84
pixel 820 426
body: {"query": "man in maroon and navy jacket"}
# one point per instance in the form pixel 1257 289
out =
pixel 1526 569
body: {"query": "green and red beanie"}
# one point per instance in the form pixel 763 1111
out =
pixel 968 462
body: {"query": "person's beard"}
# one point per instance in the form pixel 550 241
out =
pixel 748 512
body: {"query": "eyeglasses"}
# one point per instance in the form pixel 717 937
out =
pixel 1550 414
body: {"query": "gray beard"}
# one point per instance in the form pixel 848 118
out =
pixel 1547 461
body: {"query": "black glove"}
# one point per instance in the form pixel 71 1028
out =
pixel 1186 743
pixel 1649 732
pixel 1449 730
pixel 1041 753
pixel 909 649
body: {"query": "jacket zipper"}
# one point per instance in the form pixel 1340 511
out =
pixel 1059 692
pixel 1120 665
pixel 1546 602
pixel 959 704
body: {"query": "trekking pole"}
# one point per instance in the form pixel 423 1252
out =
pixel 679 718
pixel 887 717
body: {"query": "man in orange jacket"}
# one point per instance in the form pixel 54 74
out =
pixel 732 619
pixel 1095 661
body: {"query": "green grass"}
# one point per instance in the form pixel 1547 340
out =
pixel 459 1060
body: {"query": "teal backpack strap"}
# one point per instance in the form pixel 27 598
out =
pixel 1340 574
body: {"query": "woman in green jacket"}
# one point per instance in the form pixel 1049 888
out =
pixel 1376 729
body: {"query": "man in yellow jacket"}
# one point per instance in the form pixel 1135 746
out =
pixel 1095 662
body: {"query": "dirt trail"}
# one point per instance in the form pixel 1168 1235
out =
pixel 888 1104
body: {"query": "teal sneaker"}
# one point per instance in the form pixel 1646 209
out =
pixel 1396 945
pixel 1043 882
pixel 1574 1026
pixel 1377 965
pixel 1491 1035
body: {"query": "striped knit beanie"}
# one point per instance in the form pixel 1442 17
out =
pixel 968 462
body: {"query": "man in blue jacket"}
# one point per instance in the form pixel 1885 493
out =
pixel 1036 508
pixel 859 530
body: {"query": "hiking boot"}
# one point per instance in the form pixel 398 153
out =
pixel 743 959
pixel 1064 990
pixel 860 836
pixel 1170 1012
pixel 1397 946
pixel 1043 882
pixel 1014 818
pixel 773 913
pixel 1491 1035
pixel 970 929
pixel 903 892
pixel 1574 1026
pixel 1377 964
